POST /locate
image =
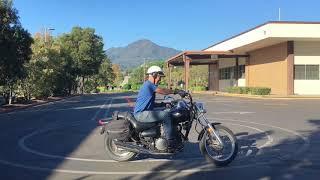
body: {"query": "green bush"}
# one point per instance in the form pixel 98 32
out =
pixel 198 88
pixel 127 86
pixel 102 89
pixel 249 90
pixel 235 90
pixel 136 86
pixel 260 91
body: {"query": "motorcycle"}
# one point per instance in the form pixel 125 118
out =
pixel 216 142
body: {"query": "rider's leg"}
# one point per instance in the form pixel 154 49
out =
pixel 164 116
pixel 157 116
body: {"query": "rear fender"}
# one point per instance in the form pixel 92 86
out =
pixel 203 130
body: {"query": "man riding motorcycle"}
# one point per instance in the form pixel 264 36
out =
pixel 145 103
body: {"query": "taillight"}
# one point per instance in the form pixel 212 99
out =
pixel 101 123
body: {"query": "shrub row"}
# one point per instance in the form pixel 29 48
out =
pixel 132 86
pixel 198 88
pixel 249 90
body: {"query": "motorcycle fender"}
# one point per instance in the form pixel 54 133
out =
pixel 203 131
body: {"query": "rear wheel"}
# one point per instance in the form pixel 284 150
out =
pixel 116 153
pixel 214 152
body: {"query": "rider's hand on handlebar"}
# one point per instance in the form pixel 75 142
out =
pixel 182 93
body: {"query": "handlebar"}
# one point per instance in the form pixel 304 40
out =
pixel 187 95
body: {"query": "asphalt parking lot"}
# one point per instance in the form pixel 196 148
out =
pixel 278 139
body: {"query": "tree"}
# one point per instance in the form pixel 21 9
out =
pixel 137 75
pixel 106 75
pixel 85 49
pixel 118 74
pixel 51 70
pixel 199 76
pixel 15 49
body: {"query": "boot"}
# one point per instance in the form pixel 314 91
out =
pixel 174 145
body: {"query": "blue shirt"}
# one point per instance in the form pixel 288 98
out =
pixel 146 97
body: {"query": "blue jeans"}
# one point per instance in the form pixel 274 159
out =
pixel 157 116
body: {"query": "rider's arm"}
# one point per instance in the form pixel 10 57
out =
pixel 164 91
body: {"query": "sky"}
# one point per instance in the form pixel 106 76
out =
pixel 180 24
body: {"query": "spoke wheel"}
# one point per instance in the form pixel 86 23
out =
pixel 115 153
pixel 214 151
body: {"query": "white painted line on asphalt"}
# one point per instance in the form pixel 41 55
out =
pixel 233 105
pixel 101 107
pixel 270 139
pixel 249 152
pixel 107 111
pixel 275 104
pixel 23 146
pixel 209 167
pixel 192 170
pixel 232 112
pixel 162 171
pixel 305 146
pixel 300 150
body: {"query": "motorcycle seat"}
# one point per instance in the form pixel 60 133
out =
pixel 137 125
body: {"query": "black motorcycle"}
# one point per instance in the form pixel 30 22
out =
pixel 125 137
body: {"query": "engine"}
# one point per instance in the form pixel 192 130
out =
pixel 161 144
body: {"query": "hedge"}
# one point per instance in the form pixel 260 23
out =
pixel 136 86
pixel 127 86
pixel 249 90
pixel 198 88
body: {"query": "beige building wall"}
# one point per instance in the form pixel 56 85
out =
pixel 267 67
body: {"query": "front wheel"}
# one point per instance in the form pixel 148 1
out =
pixel 116 153
pixel 214 152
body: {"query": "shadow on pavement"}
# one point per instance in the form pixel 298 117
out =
pixel 277 161
pixel 53 134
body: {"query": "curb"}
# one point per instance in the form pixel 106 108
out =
pixel 33 105
pixel 214 93
pixel 270 97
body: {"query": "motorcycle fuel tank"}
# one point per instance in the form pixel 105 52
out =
pixel 154 132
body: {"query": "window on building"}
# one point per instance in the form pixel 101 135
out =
pixel 312 72
pixel 225 73
pixel 299 72
pixel 241 71
pixel 229 72
pixel 306 72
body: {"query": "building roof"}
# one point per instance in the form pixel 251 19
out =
pixel 269 33
pixel 201 57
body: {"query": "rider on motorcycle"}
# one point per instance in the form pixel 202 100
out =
pixel 145 103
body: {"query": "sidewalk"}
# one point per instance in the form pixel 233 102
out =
pixel 292 97
pixel 13 107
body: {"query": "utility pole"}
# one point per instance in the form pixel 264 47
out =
pixel 144 69
pixel 144 65
pixel 47 31
pixel 279 14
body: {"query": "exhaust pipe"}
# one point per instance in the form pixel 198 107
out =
pixel 132 147
pixel 137 149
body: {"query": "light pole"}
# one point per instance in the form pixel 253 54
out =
pixel 144 67
pixel 47 30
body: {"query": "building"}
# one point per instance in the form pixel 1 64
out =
pixel 284 56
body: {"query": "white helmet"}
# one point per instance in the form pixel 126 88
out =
pixel 155 70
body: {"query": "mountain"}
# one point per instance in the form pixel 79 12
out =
pixel 135 53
